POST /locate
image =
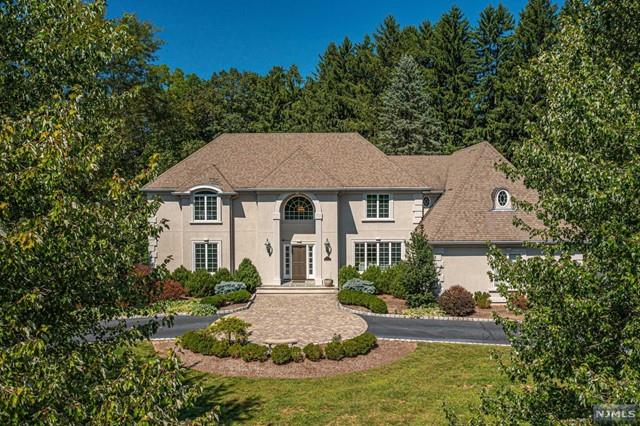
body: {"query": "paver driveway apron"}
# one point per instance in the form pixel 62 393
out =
pixel 306 318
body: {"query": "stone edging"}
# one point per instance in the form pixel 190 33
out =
pixel 239 308
pixel 456 342
pixel 429 317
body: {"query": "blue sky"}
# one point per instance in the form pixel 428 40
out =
pixel 207 36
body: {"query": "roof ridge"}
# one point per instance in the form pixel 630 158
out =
pixel 464 181
pixel 277 167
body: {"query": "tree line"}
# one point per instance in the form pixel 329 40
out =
pixel 432 88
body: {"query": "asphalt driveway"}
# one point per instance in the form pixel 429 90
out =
pixel 385 327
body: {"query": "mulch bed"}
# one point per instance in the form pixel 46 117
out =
pixel 499 308
pixel 385 353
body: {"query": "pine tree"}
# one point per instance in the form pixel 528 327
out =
pixel 493 41
pixel 454 71
pixel 407 118
pixel 507 122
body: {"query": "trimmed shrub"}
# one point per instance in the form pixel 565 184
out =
pixel 482 299
pixel 356 284
pixel 248 274
pixel 421 300
pixel 359 345
pixel 235 350
pixel 181 274
pixel 296 354
pixel 281 354
pixel 229 287
pixel 374 275
pixel 457 301
pixel 201 343
pixel 219 348
pixel 219 300
pixel 201 283
pixel 254 352
pixel 393 280
pixel 369 301
pixel 169 290
pixel 346 273
pixel 334 350
pixel 313 352
pixel 232 329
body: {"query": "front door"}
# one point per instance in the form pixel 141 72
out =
pixel 299 263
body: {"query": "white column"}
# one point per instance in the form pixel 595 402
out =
pixel 319 249
pixel 276 244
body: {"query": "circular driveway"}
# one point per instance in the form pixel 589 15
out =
pixel 304 318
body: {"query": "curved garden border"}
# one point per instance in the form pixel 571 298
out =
pixel 430 317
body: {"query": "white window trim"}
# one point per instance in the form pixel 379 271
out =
pixel 218 207
pixel 193 253
pixel 496 206
pixel 366 261
pixel 377 219
pixel 287 247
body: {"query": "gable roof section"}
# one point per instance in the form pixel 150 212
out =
pixel 464 212
pixel 261 161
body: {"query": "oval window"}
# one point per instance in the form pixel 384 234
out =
pixel 502 198
pixel 426 202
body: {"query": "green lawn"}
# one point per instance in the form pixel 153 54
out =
pixel 410 391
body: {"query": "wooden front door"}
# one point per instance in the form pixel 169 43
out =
pixel 299 263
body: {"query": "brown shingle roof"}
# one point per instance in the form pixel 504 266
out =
pixel 431 170
pixel 465 212
pixel 287 161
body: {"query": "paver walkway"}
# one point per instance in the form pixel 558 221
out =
pixel 307 318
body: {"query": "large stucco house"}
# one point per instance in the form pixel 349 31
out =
pixel 301 205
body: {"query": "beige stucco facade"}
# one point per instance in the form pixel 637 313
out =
pixel 249 221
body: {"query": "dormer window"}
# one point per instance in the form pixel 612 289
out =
pixel 502 200
pixel 205 207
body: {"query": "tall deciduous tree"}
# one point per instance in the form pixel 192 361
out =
pixel 579 343
pixel 407 118
pixel 71 227
pixel 454 70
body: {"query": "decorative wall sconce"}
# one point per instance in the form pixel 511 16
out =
pixel 327 249
pixel 269 247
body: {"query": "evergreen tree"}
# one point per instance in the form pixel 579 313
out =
pixel 507 122
pixel 407 118
pixel 454 71
pixel 493 43
pixel 422 274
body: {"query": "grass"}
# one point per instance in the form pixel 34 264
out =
pixel 410 391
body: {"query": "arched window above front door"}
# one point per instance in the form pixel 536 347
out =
pixel 298 208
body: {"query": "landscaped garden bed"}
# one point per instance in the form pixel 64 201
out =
pixel 386 352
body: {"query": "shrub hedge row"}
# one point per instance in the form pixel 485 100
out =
pixel 369 301
pixel 202 343
pixel 219 300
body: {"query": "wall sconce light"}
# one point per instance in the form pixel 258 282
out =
pixel 328 249
pixel 269 248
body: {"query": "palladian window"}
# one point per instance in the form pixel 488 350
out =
pixel 298 208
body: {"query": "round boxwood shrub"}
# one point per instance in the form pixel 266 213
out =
pixel 281 354
pixel 296 354
pixel 334 350
pixel 229 287
pixel 181 274
pixel 346 273
pixel 457 301
pixel 356 284
pixel 254 352
pixel 313 352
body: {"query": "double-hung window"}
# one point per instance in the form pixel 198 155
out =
pixel 378 206
pixel 205 207
pixel 205 256
pixel 379 253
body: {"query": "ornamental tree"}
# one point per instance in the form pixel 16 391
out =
pixel 579 343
